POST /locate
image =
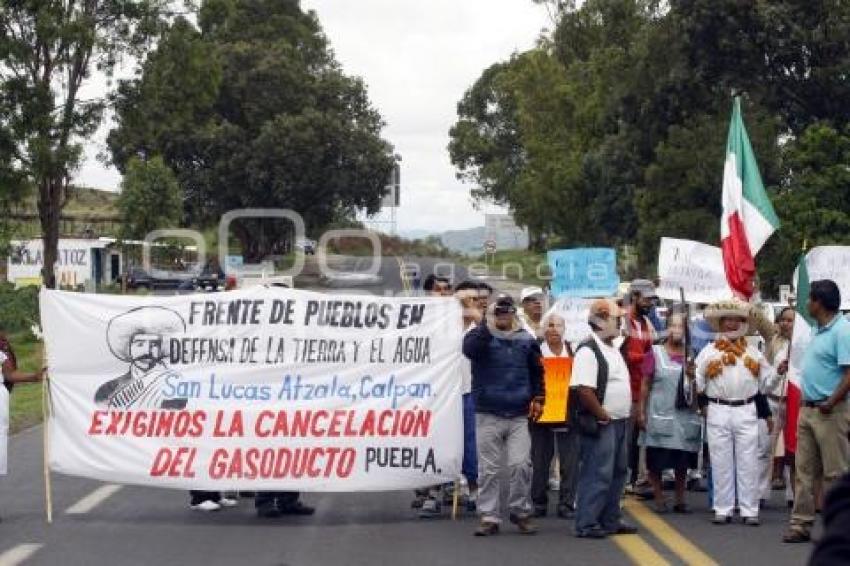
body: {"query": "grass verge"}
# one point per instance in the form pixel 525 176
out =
pixel 25 403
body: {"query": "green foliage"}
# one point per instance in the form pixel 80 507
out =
pixel 49 50
pixel 150 198
pixel 612 130
pixel 20 308
pixel 251 110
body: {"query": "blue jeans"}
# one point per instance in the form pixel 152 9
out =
pixel 469 467
pixel 602 477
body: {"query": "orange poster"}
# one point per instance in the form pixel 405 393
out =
pixel 556 380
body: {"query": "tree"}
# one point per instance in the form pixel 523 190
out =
pixel 813 200
pixel 50 50
pixel 265 118
pixel 150 198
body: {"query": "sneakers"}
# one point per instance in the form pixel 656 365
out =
pixel 487 529
pixel 593 532
pixel 228 502
pixel 721 519
pixel 623 529
pixel 430 509
pixel 523 524
pixel 207 506
pixel 566 512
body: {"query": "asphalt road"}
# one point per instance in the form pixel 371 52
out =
pixel 98 524
pixel 108 524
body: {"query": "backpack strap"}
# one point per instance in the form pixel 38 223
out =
pixel 602 365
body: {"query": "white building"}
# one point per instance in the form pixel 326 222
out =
pixel 86 262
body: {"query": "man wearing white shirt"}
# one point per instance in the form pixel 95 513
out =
pixel 731 373
pixel 601 377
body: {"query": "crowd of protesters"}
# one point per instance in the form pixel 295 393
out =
pixel 689 396
pixel 695 399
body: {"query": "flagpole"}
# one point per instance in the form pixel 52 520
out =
pixel 45 427
pixel 796 304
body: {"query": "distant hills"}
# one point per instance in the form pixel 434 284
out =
pixel 469 241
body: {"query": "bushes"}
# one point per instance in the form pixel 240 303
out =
pixel 18 308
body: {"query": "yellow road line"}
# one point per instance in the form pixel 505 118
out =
pixel 639 550
pixel 670 537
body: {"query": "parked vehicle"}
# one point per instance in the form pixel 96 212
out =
pixel 138 278
pixel 306 245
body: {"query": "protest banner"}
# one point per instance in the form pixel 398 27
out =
pixel 556 379
pixel 258 389
pixel 831 262
pixel 583 272
pixel 692 267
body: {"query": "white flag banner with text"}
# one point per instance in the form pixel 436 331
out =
pixel 693 266
pixel 259 389
pixel 575 312
pixel 831 262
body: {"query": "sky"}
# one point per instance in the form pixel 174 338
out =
pixel 417 59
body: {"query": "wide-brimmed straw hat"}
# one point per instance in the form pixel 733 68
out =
pixel 731 308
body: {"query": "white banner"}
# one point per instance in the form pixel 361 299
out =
pixel 693 266
pixel 575 312
pixel 261 389
pixel 831 262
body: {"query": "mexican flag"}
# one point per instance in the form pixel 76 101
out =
pixel 799 342
pixel 748 217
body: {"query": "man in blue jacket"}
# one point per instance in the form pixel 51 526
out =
pixel 507 386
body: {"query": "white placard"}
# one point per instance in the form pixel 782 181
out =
pixel 693 266
pixel 830 262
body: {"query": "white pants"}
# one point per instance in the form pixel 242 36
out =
pixel 765 457
pixel 733 439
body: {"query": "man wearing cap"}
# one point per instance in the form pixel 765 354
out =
pixel 531 299
pixel 640 337
pixel 731 373
pixel 601 379
pixel 507 386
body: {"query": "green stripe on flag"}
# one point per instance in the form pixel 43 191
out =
pixel 748 170
pixel 802 290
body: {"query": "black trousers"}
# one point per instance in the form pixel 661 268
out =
pixel 544 441
pixel 198 497
pixel 279 499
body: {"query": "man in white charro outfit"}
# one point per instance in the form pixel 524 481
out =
pixel 731 373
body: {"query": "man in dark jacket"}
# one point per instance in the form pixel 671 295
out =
pixel 507 385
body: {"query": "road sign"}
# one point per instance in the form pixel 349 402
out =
pixel 490 246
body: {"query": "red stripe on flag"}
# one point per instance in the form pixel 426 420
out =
pixel 737 260
pixel 792 415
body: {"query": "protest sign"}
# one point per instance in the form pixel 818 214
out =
pixel 556 379
pixel 583 272
pixel 258 389
pixel 575 312
pixel 831 262
pixel 695 267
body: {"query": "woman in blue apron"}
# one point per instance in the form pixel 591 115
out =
pixel 672 436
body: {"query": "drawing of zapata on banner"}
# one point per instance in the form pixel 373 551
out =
pixel 139 337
